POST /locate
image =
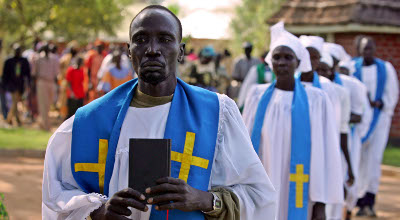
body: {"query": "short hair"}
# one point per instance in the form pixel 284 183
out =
pixel 160 7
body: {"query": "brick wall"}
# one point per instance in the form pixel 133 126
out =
pixel 388 48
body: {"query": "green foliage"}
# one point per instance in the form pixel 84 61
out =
pixel 66 19
pixel 22 138
pixel 392 156
pixel 175 8
pixel 249 24
pixel 3 211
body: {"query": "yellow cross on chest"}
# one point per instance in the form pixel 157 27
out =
pixel 99 167
pixel 299 178
pixel 187 159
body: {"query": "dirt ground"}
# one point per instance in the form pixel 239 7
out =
pixel 21 182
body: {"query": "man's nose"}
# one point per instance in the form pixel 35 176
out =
pixel 153 48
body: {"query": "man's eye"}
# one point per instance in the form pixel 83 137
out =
pixel 289 57
pixel 165 40
pixel 140 40
pixel 276 57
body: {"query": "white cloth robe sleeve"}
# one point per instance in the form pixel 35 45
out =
pixel 391 93
pixel 326 182
pixel 236 166
pixel 249 81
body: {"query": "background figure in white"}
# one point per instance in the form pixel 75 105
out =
pixel 374 146
pixel 253 78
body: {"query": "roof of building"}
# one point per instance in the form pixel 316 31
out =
pixel 339 12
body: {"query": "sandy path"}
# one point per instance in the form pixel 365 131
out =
pixel 21 182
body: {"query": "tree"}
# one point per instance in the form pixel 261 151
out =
pixel 65 19
pixel 3 212
pixel 249 23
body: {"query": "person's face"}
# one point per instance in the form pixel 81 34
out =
pixel 344 70
pixel 367 49
pixel 284 61
pixel 314 57
pixel 324 70
pixel 18 52
pixel 117 59
pixel 247 51
pixel 100 48
pixel 155 47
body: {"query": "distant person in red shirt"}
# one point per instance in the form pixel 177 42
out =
pixel 75 92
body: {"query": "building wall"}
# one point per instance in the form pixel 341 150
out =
pixel 388 48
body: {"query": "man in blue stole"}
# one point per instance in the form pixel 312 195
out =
pixel 215 173
pixel 381 81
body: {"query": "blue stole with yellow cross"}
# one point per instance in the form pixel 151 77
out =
pixel 380 88
pixel 300 147
pixel 191 126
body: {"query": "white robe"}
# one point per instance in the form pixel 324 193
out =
pixel 373 148
pixel 251 80
pixel 329 87
pixel 335 211
pixel 326 182
pixel 235 166
pixel 360 130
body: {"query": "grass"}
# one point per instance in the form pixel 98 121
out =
pixel 392 156
pixel 23 138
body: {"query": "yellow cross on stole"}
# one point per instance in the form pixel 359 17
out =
pixel 299 178
pixel 187 159
pixel 99 167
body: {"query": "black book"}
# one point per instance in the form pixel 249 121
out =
pixel 149 160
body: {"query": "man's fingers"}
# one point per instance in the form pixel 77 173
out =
pixel 128 202
pixel 174 205
pixel 163 188
pixel 120 210
pixel 165 198
pixel 170 180
pixel 130 193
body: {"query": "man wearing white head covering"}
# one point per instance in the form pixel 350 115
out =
pixel 381 81
pixel 360 115
pixel 335 211
pixel 287 122
pixel 314 45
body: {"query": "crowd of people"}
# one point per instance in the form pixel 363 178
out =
pixel 304 140
pixel 43 78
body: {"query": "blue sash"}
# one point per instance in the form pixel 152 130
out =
pixel 380 88
pixel 337 79
pixel 315 82
pixel 191 127
pixel 300 147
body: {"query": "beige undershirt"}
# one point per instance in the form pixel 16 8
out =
pixel 141 100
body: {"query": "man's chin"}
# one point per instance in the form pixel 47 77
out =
pixel 153 78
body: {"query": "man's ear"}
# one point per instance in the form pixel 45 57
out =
pixel 181 52
pixel 129 52
pixel 298 63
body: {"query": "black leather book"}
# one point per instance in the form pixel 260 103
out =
pixel 149 160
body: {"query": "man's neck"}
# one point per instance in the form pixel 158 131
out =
pixel 368 62
pixel 164 88
pixel 307 77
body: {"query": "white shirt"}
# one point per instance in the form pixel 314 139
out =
pixel 326 183
pixel 236 166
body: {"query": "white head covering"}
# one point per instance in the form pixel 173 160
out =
pixel 312 41
pixel 326 58
pixel 335 50
pixel 281 37
pixel 348 64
